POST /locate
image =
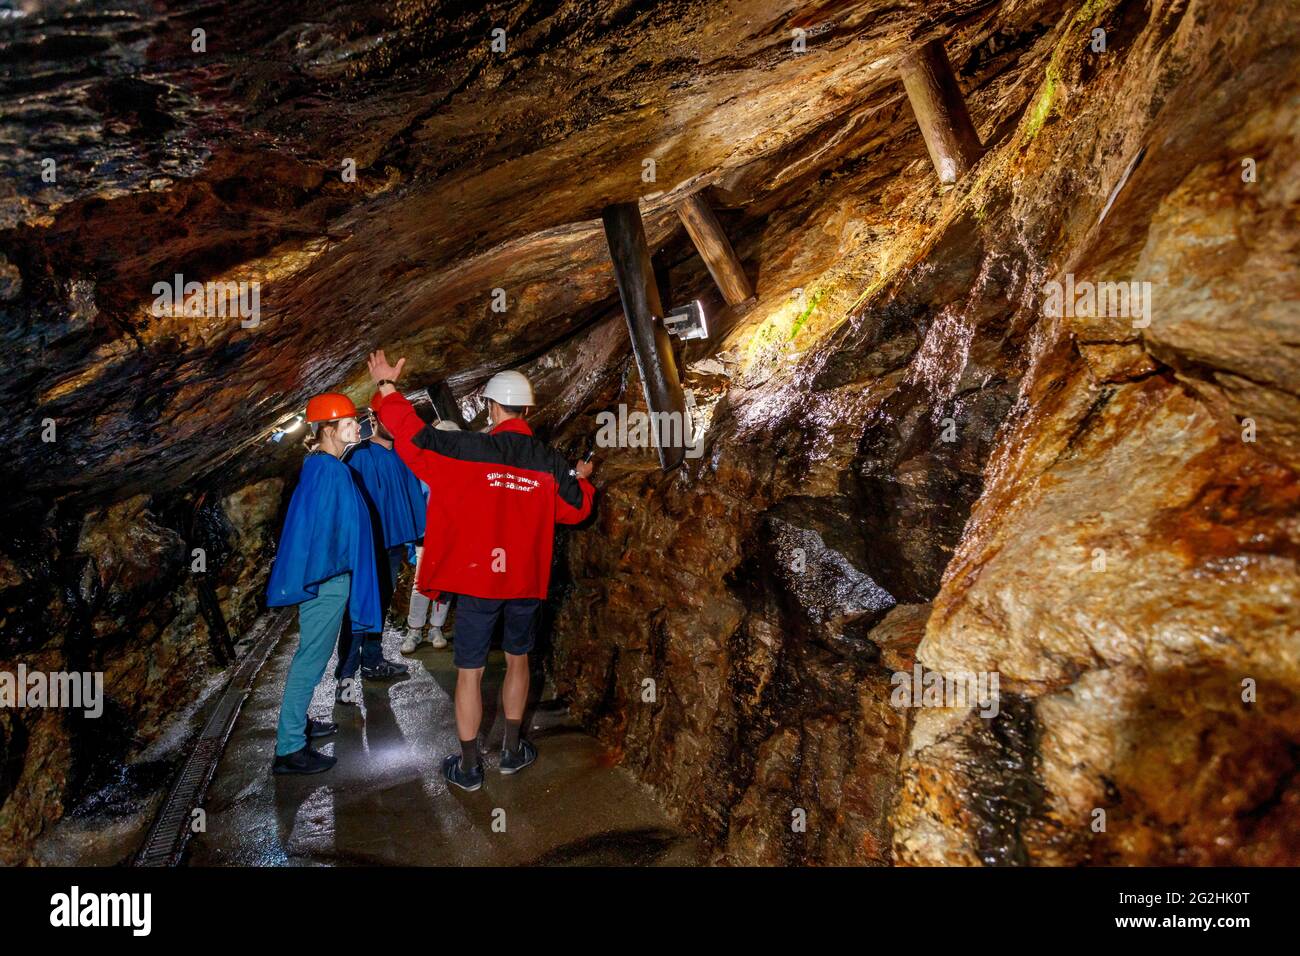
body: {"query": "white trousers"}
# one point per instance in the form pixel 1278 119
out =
pixel 421 605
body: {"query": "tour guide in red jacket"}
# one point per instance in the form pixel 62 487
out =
pixel 494 501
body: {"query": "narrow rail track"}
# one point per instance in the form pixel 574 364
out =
pixel 171 830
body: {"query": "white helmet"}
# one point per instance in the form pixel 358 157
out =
pixel 509 388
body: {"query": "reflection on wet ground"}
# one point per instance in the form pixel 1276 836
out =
pixel 386 802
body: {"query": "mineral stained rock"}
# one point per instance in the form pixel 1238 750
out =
pixel 908 458
pixel 1128 569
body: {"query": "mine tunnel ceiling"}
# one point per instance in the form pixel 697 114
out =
pixel 475 170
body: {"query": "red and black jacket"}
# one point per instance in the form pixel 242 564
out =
pixel 494 502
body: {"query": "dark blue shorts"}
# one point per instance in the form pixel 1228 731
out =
pixel 476 619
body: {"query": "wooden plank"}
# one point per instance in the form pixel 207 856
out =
pixel 651 344
pixel 940 111
pixel 714 248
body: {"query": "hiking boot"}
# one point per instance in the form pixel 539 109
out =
pixel 512 761
pixel 384 670
pixel 320 728
pixel 467 780
pixel 412 640
pixel 436 638
pixel 305 760
pixel 348 692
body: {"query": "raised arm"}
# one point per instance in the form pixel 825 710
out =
pixel 399 417
pixel 420 446
pixel 404 425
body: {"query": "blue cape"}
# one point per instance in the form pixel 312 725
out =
pixel 327 532
pixel 394 490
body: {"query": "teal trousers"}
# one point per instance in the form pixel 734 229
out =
pixel 318 627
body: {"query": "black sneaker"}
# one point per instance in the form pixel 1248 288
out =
pixel 303 761
pixel 457 777
pixel 512 761
pixel 320 728
pixel 384 670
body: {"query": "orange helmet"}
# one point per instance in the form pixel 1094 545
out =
pixel 328 406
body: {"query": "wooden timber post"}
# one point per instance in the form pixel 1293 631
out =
pixel 714 248
pixel 651 344
pixel 940 111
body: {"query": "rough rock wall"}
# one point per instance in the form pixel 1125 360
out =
pixel 115 592
pixel 1130 555
pixel 1131 569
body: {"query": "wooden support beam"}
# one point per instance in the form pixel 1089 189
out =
pixel 714 248
pixel 940 111
pixel 651 345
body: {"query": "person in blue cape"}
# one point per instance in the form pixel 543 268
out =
pixel 397 508
pixel 325 564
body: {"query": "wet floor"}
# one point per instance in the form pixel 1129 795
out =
pixel 386 802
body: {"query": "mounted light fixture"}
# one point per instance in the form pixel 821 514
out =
pixel 277 434
pixel 687 321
